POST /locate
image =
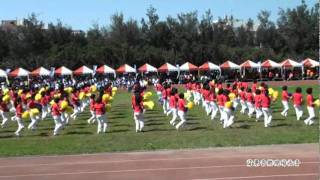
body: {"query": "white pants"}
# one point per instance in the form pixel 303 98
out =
pixel 102 123
pixel 58 124
pixel 174 116
pixel 4 116
pixel 165 105
pixel 20 125
pixel 92 119
pixel 267 114
pixel 258 113
pixel 309 120
pixel 285 108
pixel 181 115
pixel 214 109
pixel 44 112
pixel 196 98
pixel 159 94
pixel 138 119
pixel 207 107
pixel 76 111
pixel 228 118
pixel 299 111
pixel 84 104
pixel 251 109
pixel 34 121
pixel 221 111
pixel 235 103
pixel 244 106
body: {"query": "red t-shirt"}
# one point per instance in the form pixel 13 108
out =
pixel 159 87
pixel 254 87
pixel 212 96
pixel 172 102
pixel 92 102
pixel 74 99
pixel 249 97
pixel 31 104
pixel 206 94
pixel 4 107
pixel 44 101
pixel 257 101
pixel 242 95
pixel 181 105
pixel 55 110
pixel 310 100
pixel 221 98
pixel 265 101
pixel 19 110
pixel 164 94
pixel 137 107
pixel 285 96
pixel 99 108
pixel 297 98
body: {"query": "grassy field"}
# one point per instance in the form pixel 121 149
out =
pixel 200 132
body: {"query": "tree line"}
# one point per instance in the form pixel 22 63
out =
pixel 186 37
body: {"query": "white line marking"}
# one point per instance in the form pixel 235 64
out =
pixel 267 176
pixel 120 171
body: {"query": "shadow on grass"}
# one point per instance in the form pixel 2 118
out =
pixel 77 132
pixel 158 129
pixel 153 124
pixel 280 125
pixel 196 128
pixel 119 130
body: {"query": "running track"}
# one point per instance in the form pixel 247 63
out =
pixel 212 163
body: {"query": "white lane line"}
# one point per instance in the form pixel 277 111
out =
pixel 121 171
pixel 258 177
pixel 139 160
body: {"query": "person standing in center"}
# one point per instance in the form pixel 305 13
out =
pixel 285 98
pixel 181 111
pixel 100 111
pixel 297 102
pixel 137 106
pixel 310 107
pixel 265 104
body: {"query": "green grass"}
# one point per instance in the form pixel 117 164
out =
pixel 200 132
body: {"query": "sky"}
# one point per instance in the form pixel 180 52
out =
pixel 82 14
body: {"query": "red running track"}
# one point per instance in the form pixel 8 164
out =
pixel 213 163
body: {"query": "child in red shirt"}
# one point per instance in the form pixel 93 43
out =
pixel 17 117
pixel 250 102
pixel 137 106
pixel 75 103
pixel 56 115
pixel 181 111
pixel 257 104
pixel 265 104
pixel 221 100
pixel 173 105
pixel 4 111
pixel 212 103
pixel 310 107
pixel 242 95
pixel 91 105
pixel 285 97
pixel 297 102
pixel 100 111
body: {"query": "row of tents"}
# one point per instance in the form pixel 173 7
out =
pixel 167 67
